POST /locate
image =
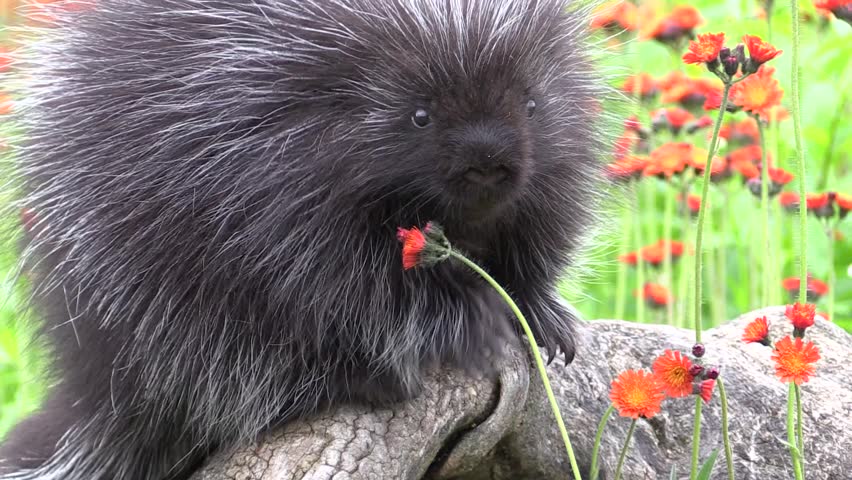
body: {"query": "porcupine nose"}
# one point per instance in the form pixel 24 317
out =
pixel 488 150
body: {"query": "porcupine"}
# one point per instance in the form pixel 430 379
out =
pixel 216 187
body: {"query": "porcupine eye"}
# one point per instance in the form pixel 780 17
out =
pixel 530 108
pixel 421 118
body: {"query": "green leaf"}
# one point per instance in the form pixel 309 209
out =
pixel 707 468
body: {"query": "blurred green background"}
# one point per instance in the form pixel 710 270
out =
pixel 827 83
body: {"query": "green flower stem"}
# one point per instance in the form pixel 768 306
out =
pixel 795 74
pixel 800 437
pixel 764 215
pixel 667 258
pixel 593 471
pixel 539 362
pixel 623 454
pixel 640 265
pixel 699 234
pixel 723 223
pixel 702 212
pixel 831 273
pixel 683 269
pixel 696 438
pixel 791 432
pixel 726 439
pixel 621 281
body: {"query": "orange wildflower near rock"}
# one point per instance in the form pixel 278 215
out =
pixel 794 360
pixel 672 371
pixel 757 331
pixel 801 315
pixel 636 393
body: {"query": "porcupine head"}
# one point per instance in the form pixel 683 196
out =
pixel 214 188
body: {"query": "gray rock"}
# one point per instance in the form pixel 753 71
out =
pixel 502 428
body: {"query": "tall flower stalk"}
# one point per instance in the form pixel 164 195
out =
pixel 429 247
pixel 795 75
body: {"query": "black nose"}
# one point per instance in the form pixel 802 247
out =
pixel 487 152
pixel 486 176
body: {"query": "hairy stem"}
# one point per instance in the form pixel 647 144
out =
pixel 800 437
pixel 795 74
pixel 539 362
pixel 791 432
pixel 623 453
pixel 593 471
pixel 696 439
pixel 764 214
pixel 726 439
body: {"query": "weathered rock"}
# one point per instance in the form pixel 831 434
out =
pixel 469 428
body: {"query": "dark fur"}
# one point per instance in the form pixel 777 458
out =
pixel 217 186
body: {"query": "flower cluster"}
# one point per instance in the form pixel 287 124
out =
pixel 637 393
pixel 794 358
pixel 828 205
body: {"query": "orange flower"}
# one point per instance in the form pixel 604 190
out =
pixel 618 15
pixel 757 331
pixel 789 201
pixel 630 258
pixel 671 28
pixel 693 202
pixel 627 167
pixel 705 49
pixel 669 159
pixel 842 9
pixel 759 51
pixel 642 84
pixel 413 244
pixel 779 176
pixel 844 203
pixel 706 389
pixel 801 315
pixel 636 393
pixel 759 93
pixel 794 360
pixel 656 295
pixel 821 205
pixel 815 288
pixel 672 371
pixel 718 166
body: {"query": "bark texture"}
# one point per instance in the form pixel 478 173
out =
pixel 469 428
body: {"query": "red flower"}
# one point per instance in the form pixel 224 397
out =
pixel 675 118
pixel 844 203
pixel 636 393
pixel 706 389
pixel 821 204
pixel 743 132
pixel 618 15
pixel 668 29
pixel 656 295
pixel 413 244
pixel 669 159
pixel 794 360
pixel 757 331
pixel 642 84
pixel 789 201
pixel 758 94
pixel 759 51
pixel 693 203
pixel 801 315
pixel 718 167
pixel 628 167
pixel 842 9
pixel 815 288
pixel 672 371
pixel 780 176
pixel 705 49
pixel 690 92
